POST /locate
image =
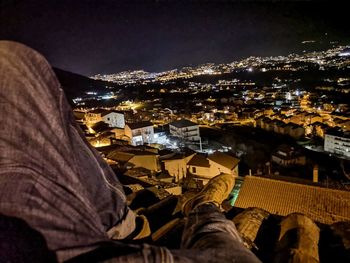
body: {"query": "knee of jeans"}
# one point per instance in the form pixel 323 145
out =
pixel 21 64
pixel 14 50
pixel 17 54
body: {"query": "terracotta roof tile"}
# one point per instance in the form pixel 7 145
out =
pixel 224 159
pixel 282 198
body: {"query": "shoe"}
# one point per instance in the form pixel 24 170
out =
pixel 143 229
pixel 215 191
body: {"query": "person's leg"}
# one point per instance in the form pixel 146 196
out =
pixel 208 236
pixel 49 175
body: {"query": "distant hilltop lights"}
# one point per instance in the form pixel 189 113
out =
pixel 308 41
pixel 334 57
pixel 345 52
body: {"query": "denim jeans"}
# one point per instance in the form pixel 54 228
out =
pixel 51 178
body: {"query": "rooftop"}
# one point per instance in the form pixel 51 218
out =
pixel 261 231
pixel 183 123
pixel 199 160
pixel 338 132
pixel 224 159
pixel 138 125
pixel 282 198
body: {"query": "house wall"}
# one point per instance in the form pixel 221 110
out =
pixel 119 133
pixel 297 132
pixel 200 171
pixel 206 173
pixel 177 168
pixel 128 131
pixel 217 169
pixel 190 133
pixel 114 119
pixel 92 118
pixel 147 134
pixel 141 135
pixel 338 145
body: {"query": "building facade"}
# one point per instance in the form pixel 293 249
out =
pixel 185 129
pixel 203 168
pixel 140 133
pixel 337 142
pixel 114 119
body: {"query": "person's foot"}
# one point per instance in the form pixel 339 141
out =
pixel 215 191
pixel 144 227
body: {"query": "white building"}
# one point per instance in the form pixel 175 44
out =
pixel 185 129
pixel 114 119
pixel 139 133
pixel 337 142
pixel 204 168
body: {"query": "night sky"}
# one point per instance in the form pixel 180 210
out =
pixel 90 37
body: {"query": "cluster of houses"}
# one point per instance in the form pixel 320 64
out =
pixel 278 126
pixel 133 145
pixel 170 166
pixel 290 121
pixel 102 127
pixel 334 129
pixel 108 127
pixel 298 123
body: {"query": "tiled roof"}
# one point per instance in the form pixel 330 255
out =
pixel 182 123
pixel 140 152
pixel 177 156
pixel 293 125
pixel 199 160
pixel 282 198
pixel 338 132
pixel 165 152
pixel 119 156
pixel 223 159
pixel 138 125
pixel 269 236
